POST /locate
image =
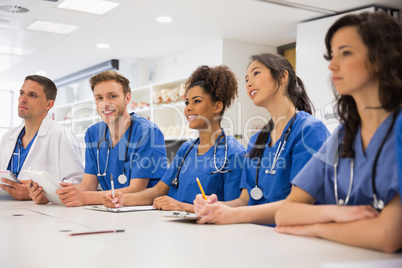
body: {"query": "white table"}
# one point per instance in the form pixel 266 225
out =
pixel 37 236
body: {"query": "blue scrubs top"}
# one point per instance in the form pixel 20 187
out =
pixel 398 131
pixel 317 177
pixel 18 162
pixel 146 154
pixel 306 137
pixel 224 185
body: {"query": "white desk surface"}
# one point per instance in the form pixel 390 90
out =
pixel 37 236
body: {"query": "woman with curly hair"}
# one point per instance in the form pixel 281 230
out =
pixel 214 157
pixel 276 153
pixel 355 180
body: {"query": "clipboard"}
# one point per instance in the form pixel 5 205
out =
pixel 118 210
pixel 182 215
pixel 9 176
pixel 47 182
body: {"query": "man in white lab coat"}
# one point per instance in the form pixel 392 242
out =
pixel 39 143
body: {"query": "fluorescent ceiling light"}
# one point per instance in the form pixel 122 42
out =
pixel 97 7
pixel 299 6
pixel 15 51
pixel 52 27
pixel 71 78
pixel 164 19
pixel 102 45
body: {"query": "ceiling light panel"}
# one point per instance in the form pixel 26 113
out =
pixel 97 7
pixel 102 45
pixel 52 27
pixel 164 19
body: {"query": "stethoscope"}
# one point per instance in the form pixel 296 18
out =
pixel 377 203
pixel 18 144
pixel 256 192
pixel 175 180
pixel 122 178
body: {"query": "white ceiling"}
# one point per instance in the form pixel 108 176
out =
pixel 133 32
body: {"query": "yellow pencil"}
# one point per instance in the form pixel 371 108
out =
pixel 202 190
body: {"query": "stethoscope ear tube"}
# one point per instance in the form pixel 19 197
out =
pixel 19 153
pixel 108 149
pixel 256 192
pixel 377 203
pixel 175 181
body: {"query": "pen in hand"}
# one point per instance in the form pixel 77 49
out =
pixel 201 189
pixel 111 182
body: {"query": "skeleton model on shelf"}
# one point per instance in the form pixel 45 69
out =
pixel 139 105
pixel 169 95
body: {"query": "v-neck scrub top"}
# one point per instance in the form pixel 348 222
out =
pixel 317 177
pixel 145 158
pixel 224 185
pixel 306 137
pixel 20 154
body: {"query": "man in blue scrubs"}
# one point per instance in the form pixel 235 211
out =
pixel 36 143
pixel 125 150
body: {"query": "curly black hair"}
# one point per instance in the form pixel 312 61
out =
pixel 218 82
pixel 382 35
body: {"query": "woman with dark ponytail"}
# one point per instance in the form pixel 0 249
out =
pixel 278 152
pixel 355 179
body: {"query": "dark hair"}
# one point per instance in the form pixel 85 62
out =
pixel 218 82
pixel 49 88
pixel 382 35
pixel 277 64
pixel 108 76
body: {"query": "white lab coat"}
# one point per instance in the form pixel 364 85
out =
pixel 54 150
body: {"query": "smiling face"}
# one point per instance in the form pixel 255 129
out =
pixel 351 70
pixel 261 86
pixel 111 103
pixel 32 102
pixel 200 111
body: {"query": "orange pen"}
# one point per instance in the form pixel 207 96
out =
pixel 202 190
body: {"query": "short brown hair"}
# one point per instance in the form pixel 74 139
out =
pixel 49 88
pixel 110 75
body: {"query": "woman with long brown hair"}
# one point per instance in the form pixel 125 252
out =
pixel 356 181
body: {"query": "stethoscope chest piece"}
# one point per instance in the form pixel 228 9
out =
pixel 175 182
pixel 256 193
pixel 122 179
pixel 378 203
